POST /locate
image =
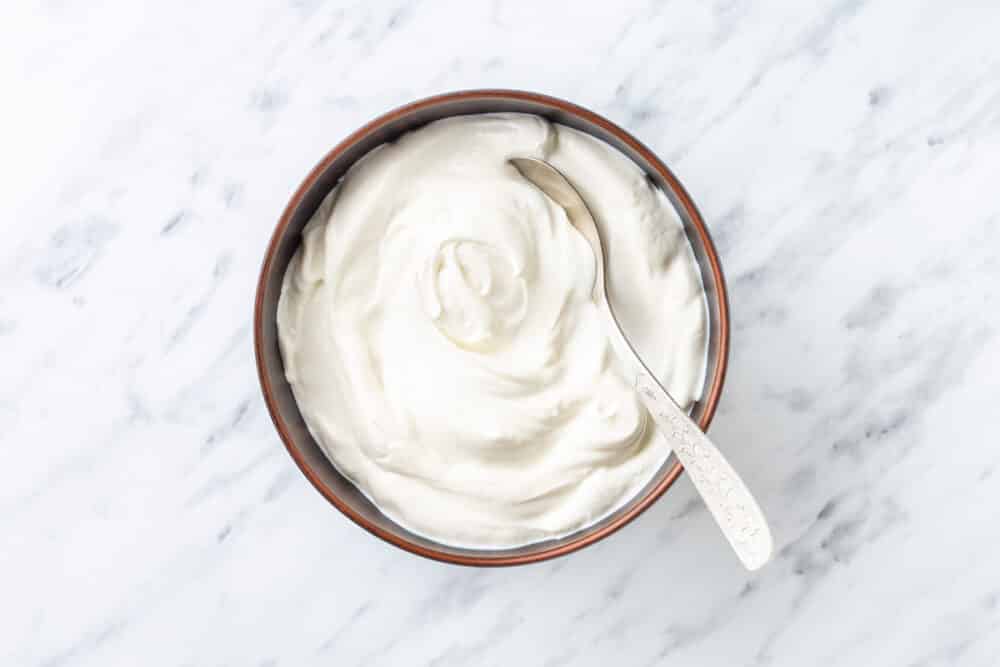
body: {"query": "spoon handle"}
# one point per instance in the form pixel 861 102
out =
pixel 727 497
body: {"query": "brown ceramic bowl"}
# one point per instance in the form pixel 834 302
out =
pixel 286 238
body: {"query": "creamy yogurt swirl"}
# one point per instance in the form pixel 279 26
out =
pixel 439 336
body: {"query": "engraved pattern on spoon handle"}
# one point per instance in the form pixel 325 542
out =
pixel 725 494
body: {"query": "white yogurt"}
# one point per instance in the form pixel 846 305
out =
pixel 439 336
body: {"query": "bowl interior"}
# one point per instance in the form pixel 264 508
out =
pixel 286 239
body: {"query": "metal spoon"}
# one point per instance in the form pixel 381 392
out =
pixel 725 494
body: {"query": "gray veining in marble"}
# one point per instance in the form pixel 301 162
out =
pixel 846 155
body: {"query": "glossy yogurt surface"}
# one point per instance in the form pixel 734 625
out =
pixel 439 336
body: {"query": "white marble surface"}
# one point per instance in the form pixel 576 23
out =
pixel 846 155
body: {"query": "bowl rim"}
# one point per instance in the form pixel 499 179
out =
pixel 683 199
